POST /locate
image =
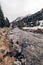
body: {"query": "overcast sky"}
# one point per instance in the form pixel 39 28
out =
pixel 16 8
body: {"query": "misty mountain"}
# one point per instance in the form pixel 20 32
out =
pixel 28 20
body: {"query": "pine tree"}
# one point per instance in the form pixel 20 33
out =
pixel 2 21
pixel 7 24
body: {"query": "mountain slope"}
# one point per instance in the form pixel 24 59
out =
pixel 26 21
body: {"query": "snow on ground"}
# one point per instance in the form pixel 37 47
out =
pixel 33 28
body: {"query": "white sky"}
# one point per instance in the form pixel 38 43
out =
pixel 16 8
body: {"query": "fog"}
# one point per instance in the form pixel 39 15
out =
pixel 16 8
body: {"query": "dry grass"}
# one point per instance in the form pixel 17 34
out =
pixel 4 48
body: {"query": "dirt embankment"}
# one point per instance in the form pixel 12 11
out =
pixel 5 58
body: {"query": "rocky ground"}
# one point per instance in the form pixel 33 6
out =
pixel 18 47
pixel 31 43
